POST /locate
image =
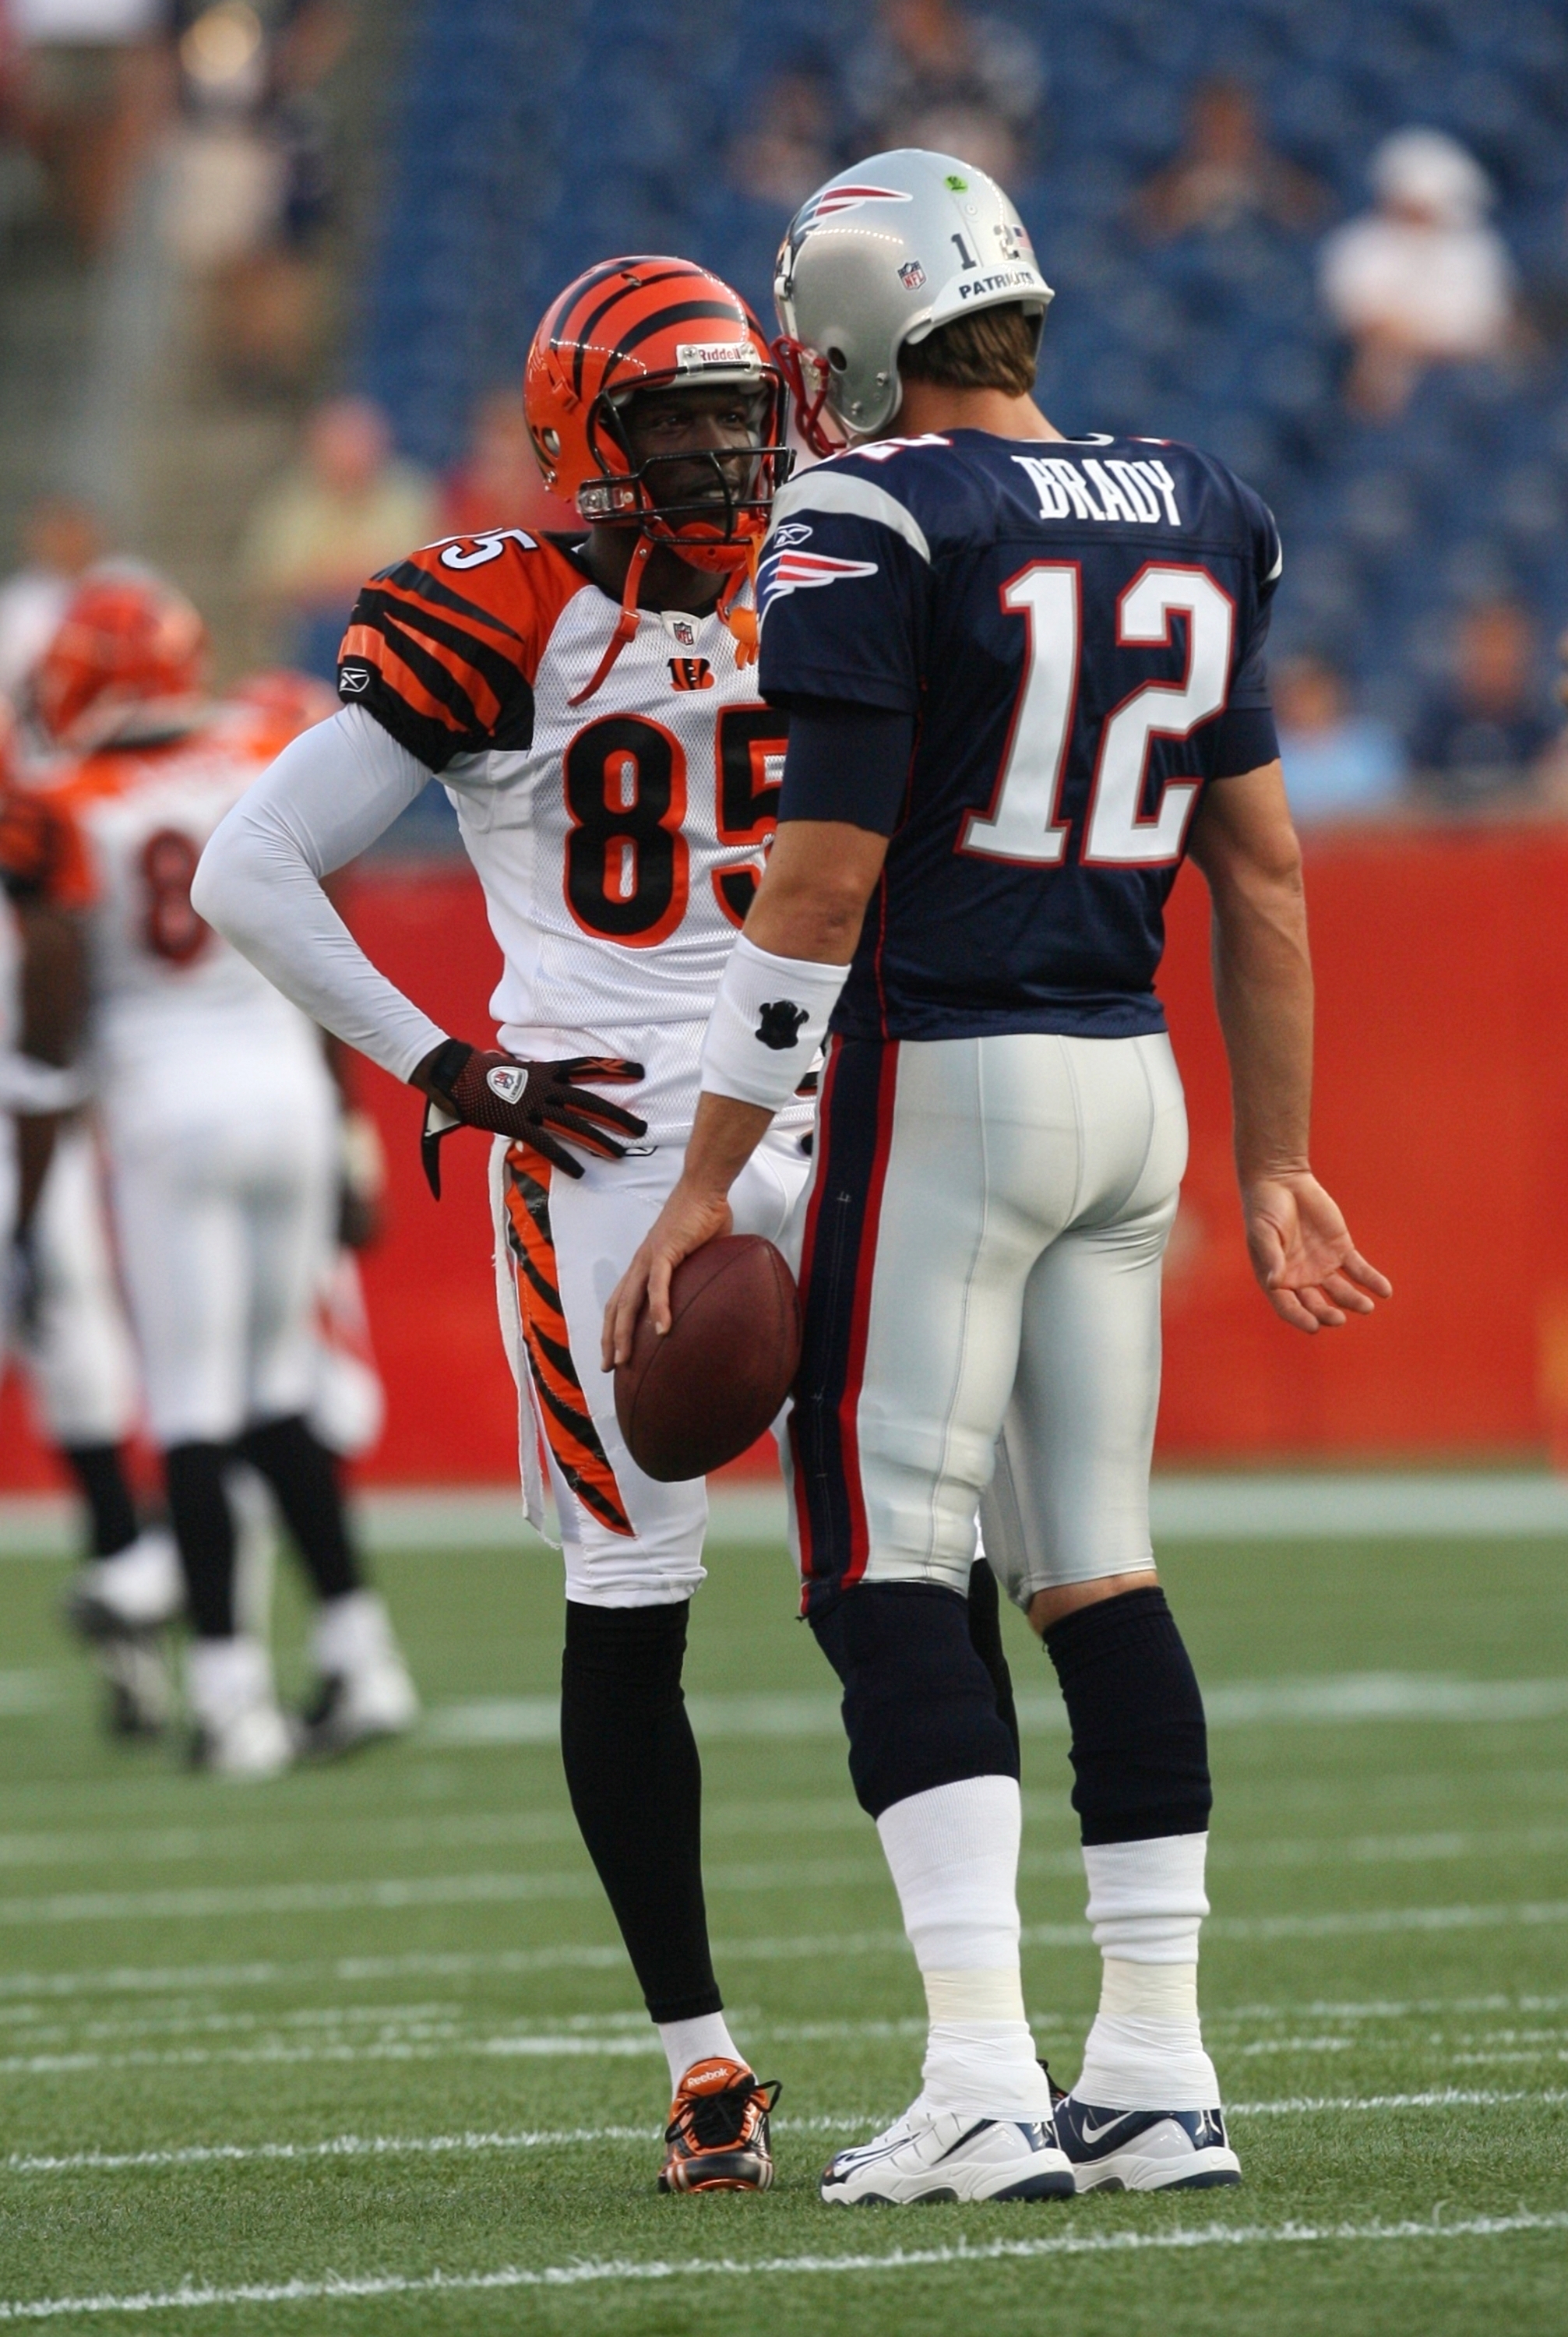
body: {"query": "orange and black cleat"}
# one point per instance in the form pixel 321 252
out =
pixel 718 2130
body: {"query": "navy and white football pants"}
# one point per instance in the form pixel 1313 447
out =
pixel 980 1272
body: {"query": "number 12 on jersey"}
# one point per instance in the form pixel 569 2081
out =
pixel 1023 822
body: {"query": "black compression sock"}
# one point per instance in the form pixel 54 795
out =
pixel 636 1786
pixel 985 1639
pixel 203 1527
pixel 1140 1747
pixel 304 1476
pixel 100 1473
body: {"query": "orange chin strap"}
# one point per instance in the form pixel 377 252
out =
pixel 625 624
pixel 742 622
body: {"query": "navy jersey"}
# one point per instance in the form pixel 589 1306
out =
pixel 1076 628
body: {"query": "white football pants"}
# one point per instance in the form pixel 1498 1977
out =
pixel 79 1351
pixel 981 1281
pixel 562 1244
pixel 223 1174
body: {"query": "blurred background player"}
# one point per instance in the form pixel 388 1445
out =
pixel 41 1005
pixel 67 1320
pixel 219 1125
pixel 590 702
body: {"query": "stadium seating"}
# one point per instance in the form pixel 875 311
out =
pixel 535 138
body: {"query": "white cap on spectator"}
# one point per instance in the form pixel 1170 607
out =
pixel 1430 168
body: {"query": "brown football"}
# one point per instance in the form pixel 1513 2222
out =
pixel 692 1400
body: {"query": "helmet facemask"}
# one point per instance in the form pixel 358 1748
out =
pixel 709 504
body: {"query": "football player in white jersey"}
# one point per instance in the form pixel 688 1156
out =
pixel 219 1124
pixel 589 704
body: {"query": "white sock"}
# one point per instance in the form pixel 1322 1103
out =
pixel 706 2039
pixel 953 1853
pixel 1146 1903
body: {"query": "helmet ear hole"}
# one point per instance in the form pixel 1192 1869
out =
pixel 838 360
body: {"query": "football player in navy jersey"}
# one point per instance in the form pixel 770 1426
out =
pixel 1025 675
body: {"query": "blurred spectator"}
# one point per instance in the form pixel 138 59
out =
pixel 347 508
pixel 1338 765
pixel 1422 280
pixel 1488 738
pixel 931 75
pixel 92 85
pixel 250 186
pixel 59 540
pixel 787 149
pixel 499 484
pixel 1227 174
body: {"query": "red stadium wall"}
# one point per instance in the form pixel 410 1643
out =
pixel 1441 1124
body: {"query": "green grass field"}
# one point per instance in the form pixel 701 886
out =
pixel 371 2025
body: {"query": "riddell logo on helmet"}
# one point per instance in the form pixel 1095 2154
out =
pixel 695 357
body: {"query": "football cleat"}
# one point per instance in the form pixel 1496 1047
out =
pixel 932 2155
pixel 363 1690
pixel 718 2130
pixel 1145 2150
pixel 138 1589
pixel 238 1729
pixel 139 1683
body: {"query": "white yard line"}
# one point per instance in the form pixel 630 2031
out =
pixel 337 2288
pixel 442 2146
pixel 1227 1506
pixel 208 1904
pixel 167 1978
pixel 186 1845
pixel 1333 1700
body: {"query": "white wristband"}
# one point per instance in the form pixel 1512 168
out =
pixel 768 1019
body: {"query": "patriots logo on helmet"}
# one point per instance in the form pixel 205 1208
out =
pixel 847 199
pixel 791 570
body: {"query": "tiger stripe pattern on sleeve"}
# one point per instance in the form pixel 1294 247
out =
pixel 442 648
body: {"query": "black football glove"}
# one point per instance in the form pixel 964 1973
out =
pixel 532 1103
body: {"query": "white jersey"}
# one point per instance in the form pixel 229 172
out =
pixel 10 1027
pixel 619 841
pixel 164 985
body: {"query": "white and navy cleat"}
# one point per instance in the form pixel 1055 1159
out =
pixel 927 2155
pixel 1145 2150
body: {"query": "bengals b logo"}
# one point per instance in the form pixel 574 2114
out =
pixel 691 673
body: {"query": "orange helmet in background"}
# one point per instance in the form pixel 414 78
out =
pixel 650 323
pixel 125 663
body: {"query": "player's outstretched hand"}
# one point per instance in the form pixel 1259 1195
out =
pixel 1312 1274
pixel 689 1218
pixel 532 1103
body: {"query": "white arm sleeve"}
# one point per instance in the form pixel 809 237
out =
pixel 331 793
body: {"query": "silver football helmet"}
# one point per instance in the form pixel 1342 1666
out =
pixel 881 255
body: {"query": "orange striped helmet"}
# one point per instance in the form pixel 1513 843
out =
pixel 126 660
pixel 650 323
